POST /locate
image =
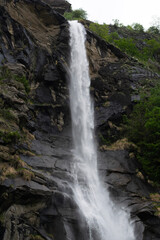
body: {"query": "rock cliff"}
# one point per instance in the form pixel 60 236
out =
pixel 36 201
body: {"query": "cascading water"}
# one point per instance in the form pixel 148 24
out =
pixel 105 221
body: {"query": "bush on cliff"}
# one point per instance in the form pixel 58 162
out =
pixel 153 30
pixel 5 73
pixel 127 45
pixel 138 27
pixel 100 29
pixel 143 128
pixel 76 14
pixel 151 50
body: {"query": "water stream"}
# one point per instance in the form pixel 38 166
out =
pixel 105 220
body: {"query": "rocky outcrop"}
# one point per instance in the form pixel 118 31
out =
pixel 60 6
pixel 36 198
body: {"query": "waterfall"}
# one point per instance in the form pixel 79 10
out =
pixel 105 221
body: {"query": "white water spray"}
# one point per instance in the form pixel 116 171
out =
pixel 104 219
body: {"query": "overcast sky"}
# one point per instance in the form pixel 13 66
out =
pixel 126 11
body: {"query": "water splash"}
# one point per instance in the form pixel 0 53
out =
pixel 105 220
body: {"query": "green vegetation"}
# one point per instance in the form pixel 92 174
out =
pixel 144 50
pixel 103 140
pixel 127 45
pixel 7 114
pixel 143 128
pixel 24 81
pixel 138 27
pixel 76 14
pixel 151 49
pixel 153 30
pixel 5 73
pixel 100 30
pixel 9 137
pixel 116 23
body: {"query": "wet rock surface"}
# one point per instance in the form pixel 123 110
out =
pixel 42 204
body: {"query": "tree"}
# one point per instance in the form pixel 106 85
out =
pixel 116 23
pixel 138 27
pixel 153 30
pixel 76 14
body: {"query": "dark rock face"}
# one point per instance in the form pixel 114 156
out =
pixel 34 42
pixel 60 6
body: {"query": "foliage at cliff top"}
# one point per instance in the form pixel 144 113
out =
pixel 76 14
pixel 145 46
pixel 143 128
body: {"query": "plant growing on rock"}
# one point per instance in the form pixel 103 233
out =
pixel 5 73
pixel 151 50
pixel 116 23
pixel 127 45
pixel 7 114
pixel 9 137
pixel 76 14
pixel 24 81
pixel 113 36
pixel 138 27
pixel 153 30
pixel 100 29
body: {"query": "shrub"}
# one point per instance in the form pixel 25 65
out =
pixel 7 114
pixel 130 28
pixel 100 29
pixel 5 73
pixel 138 27
pixel 127 45
pixel 116 23
pixel 153 30
pixel 76 14
pixel 9 137
pixel 24 81
pixel 113 36
pixel 152 47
